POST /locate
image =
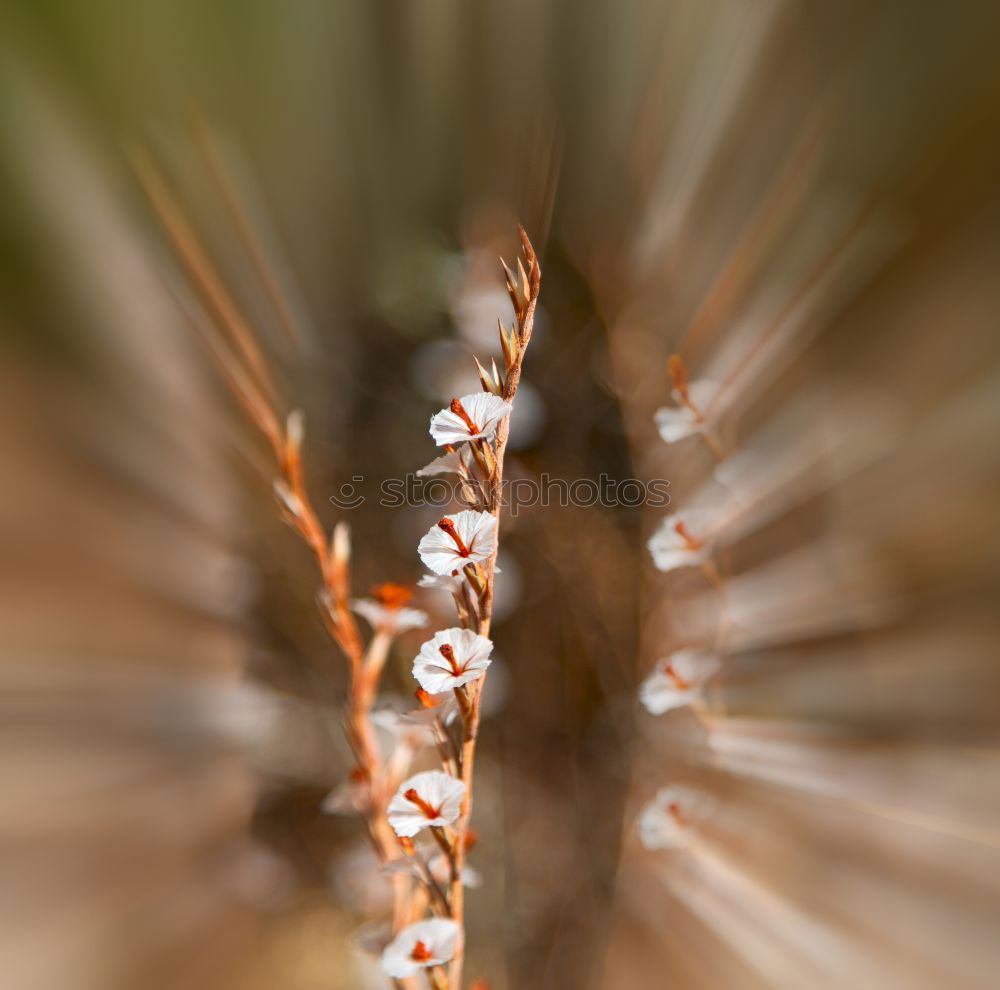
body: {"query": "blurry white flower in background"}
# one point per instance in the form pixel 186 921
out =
pixel 528 419
pixel 427 943
pixel 687 418
pixel 431 798
pixel 386 610
pixel 441 368
pixel 472 417
pixel 666 821
pixel 677 680
pixel 681 540
pixel 452 658
pixel 349 797
pixel 464 538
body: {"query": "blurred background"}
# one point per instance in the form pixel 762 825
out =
pixel 801 199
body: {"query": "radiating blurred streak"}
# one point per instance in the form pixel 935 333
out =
pixel 801 757
pixel 129 802
pixel 731 44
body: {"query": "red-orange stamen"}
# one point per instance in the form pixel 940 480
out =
pixel 675 811
pixel 679 374
pixel 425 806
pixel 392 596
pixel 459 410
pixel 449 654
pixel 449 527
pixel 420 952
pixel 682 531
pixel 675 678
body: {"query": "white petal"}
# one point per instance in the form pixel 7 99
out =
pixel 676 423
pixel 441 582
pixel 668 558
pixel 392 620
pixel 447 427
pixel 659 694
pixel 372 611
pixel 450 463
pixel 485 409
pixel 478 531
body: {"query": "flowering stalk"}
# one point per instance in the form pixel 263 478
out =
pixel 523 288
pixel 461 551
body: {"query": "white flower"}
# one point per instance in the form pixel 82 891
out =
pixel 681 540
pixel 458 540
pixel 384 610
pixel 677 680
pixel 427 943
pixel 428 798
pixel 666 822
pixel 452 658
pixel 688 416
pixel 444 707
pixel 472 417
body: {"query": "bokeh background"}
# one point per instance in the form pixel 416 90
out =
pixel 801 198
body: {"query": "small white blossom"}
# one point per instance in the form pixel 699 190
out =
pixel 677 680
pixel 464 538
pixel 688 417
pixel 666 822
pixel 394 621
pixel 681 540
pixel 472 417
pixel 416 947
pixel 452 658
pixel 385 611
pixel 444 707
pixel 425 799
